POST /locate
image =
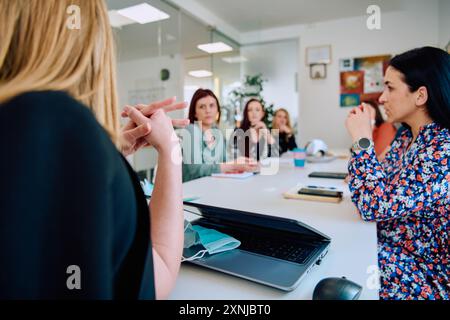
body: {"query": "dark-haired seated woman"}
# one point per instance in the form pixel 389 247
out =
pixel 253 139
pixel 408 194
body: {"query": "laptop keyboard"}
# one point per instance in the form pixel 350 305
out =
pixel 284 249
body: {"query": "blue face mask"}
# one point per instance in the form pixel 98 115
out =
pixel 212 241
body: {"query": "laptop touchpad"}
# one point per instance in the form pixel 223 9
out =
pixel 255 267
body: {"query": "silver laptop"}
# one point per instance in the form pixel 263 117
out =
pixel 274 251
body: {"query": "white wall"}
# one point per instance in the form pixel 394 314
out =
pixel 444 22
pixel 277 61
pixel 144 75
pixel 320 113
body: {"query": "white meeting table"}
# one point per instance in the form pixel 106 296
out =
pixel 353 251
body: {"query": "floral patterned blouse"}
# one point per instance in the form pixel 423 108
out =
pixel 408 196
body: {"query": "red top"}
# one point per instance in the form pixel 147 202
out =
pixel 383 136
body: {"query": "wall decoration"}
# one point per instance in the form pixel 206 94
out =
pixel 350 100
pixel 346 65
pixel 318 55
pixel 352 82
pixel 318 71
pixel 362 76
pixel 374 68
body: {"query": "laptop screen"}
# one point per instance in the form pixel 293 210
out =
pixel 254 219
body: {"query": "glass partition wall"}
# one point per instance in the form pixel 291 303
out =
pixel 161 59
pixel 165 52
pixel 219 72
pixel 148 36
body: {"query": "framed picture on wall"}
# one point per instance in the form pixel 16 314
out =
pixel 318 55
pixel 346 65
pixel 350 100
pixel 318 71
pixel 362 79
pixel 352 82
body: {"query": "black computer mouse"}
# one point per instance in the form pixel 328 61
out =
pixel 337 289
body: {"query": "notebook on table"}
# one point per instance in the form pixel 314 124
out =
pixel 243 175
pixel 322 194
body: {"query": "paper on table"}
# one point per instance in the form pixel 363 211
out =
pixel 243 175
pixel 148 191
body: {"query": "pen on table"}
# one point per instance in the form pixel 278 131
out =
pixel 320 187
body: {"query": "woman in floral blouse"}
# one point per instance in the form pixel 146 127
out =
pixel 408 194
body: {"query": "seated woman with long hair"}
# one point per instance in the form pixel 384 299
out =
pixel 408 193
pixel 282 123
pixel 253 139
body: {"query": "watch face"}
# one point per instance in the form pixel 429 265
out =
pixel 364 143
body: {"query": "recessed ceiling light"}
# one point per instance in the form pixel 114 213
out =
pixel 143 13
pixel 117 21
pixel 215 47
pixel 200 73
pixel 236 59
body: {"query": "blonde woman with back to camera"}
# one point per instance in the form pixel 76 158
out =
pixel 68 198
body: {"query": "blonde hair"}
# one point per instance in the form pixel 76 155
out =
pixel 288 122
pixel 39 52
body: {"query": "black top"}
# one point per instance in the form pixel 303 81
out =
pixel 286 143
pixel 242 146
pixel 67 197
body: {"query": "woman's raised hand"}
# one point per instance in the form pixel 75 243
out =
pixel 134 133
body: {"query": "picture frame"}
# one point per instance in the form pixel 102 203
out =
pixel 362 78
pixel 318 71
pixel 318 55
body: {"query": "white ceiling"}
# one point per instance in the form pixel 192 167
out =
pixel 179 35
pixel 182 34
pixel 253 15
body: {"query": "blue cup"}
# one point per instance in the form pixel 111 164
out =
pixel 299 157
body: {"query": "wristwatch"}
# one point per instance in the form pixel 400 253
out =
pixel 362 144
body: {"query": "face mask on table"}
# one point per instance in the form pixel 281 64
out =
pixel 212 241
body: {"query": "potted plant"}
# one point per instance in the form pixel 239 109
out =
pixel 252 87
